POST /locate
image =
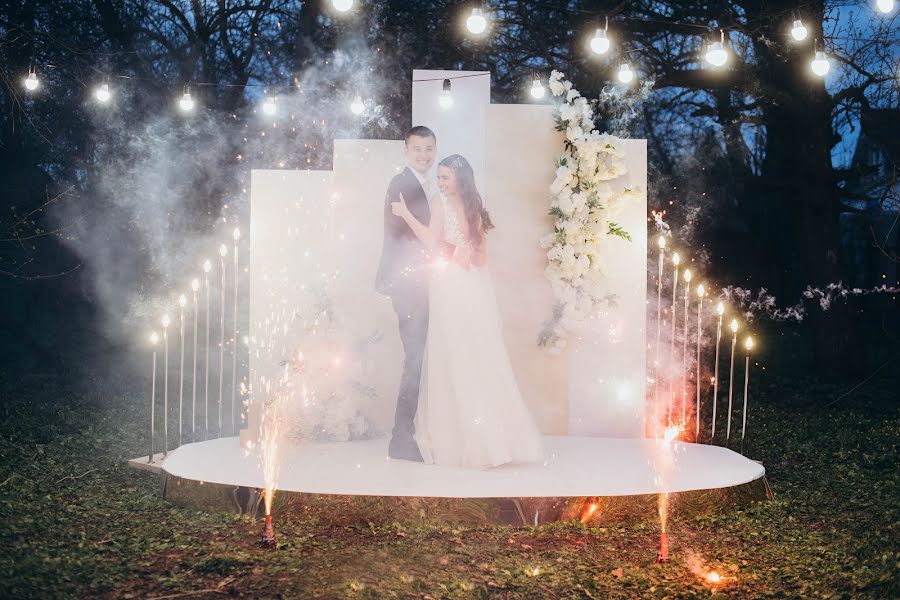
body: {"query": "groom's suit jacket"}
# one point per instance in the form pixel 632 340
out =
pixel 403 256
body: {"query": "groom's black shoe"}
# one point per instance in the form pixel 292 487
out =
pixel 404 450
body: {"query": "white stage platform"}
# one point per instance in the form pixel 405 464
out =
pixel 574 467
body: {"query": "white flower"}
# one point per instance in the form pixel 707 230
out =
pixel 572 95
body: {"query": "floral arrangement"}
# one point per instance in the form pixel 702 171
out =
pixel 585 205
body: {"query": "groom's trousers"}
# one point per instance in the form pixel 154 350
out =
pixel 411 307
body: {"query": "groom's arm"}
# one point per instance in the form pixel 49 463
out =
pixel 394 226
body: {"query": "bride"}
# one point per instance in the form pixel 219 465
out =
pixel 470 411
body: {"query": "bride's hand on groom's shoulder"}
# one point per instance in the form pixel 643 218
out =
pixel 399 208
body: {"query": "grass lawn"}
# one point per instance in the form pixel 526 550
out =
pixel 76 521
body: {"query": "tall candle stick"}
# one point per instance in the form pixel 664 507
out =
pixel 207 266
pixel 676 260
pixel 734 330
pixel 223 252
pixel 166 321
pixel 687 296
pixel 154 339
pixel 749 346
pixel 720 310
pixel 234 331
pixel 661 242
pixel 182 302
pixel 701 291
pixel 195 286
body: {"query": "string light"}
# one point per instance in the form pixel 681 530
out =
pixel 885 6
pixel 798 31
pixel 102 93
pixel 342 5
pixel 716 55
pixel 820 65
pixel 476 23
pixel 537 88
pixel 600 42
pixel 626 75
pixel 357 106
pixel 446 98
pixel 268 106
pixel 31 82
pixel 186 103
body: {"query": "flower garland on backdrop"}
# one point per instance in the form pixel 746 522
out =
pixel 585 202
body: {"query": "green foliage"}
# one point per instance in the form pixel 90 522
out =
pixel 617 230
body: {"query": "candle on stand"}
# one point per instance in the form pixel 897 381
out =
pixel 207 267
pixel 720 310
pixel 223 252
pixel 676 260
pixel 734 330
pixel 687 295
pixel 166 321
pixel 657 375
pixel 182 302
pixel 195 286
pixel 701 291
pixel 154 339
pixel 234 330
pixel 748 344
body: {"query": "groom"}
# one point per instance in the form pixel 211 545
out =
pixel 402 276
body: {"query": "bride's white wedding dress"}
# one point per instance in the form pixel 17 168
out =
pixel 470 411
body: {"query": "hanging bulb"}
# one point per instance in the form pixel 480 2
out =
pixel 31 82
pixel 357 107
pixel 820 65
pixel 103 94
pixel 268 106
pixel 600 42
pixel 342 5
pixel 476 23
pixel 798 31
pixel 446 98
pixel 717 55
pixel 885 6
pixel 537 88
pixel 186 103
pixel 626 75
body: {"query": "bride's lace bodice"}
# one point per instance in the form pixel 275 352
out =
pixel 452 230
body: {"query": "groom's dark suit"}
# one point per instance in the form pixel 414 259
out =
pixel 402 276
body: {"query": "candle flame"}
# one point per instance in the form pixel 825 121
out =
pixel 166 321
pixel 223 250
pixel 195 284
pixel 154 337
pixel 720 309
pixel 687 275
pixel 734 325
pixel 676 260
pixel 749 343
pixel 661 241
pixel 207 266
pixel 701 291
pixel 182 300
pixel 237 233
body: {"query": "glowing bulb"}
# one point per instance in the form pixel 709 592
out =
pixel 195 284
pixel 701 291
pixel 749 343
pixel 223 250
pixel 720 309
pixel 31 82
pixel 186 103
pixel 661 242
pixel 342 5
pixel 154 338
pixel 885 6
pixel 687 275
pixel 446 98
pixel 476 23
pixel 357 106
pixel 182 300
pixel 166 321
pixel 626 75
pixel 207 266
pixel 676 259
pixel 537 89
pixel 734 325
pixel 820 65
pixel 798 31
pixel 717 55
pixel 237 233
pixel 600 42
pixel 269 107
pixel 103 94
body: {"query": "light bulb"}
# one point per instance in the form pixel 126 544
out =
pixel 237 233
pixel 269 107
pixel 798 31
pixel 207 266
pixel 154 338
pixel 600 42
pixel 166 321
pixel 701 291
pixel 195 284
pixel 820 65
pixel 445 100
pixel 182 300
pixel 749 343
pixel 676 259
pixel 476 23
pixel 342 5
pixel 720 309
pixel 885 6
pixel 734 325
pixel 31 82
pixel 223 250
pixel 626 75
pixel 716 55
pixel 357 106
pixel 186 103
pixel 103 94
pixel 661 242
pixel 537 89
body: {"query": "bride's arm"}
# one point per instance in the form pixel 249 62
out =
pixel 431 234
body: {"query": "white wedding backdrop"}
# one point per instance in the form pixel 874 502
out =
pixel 315 241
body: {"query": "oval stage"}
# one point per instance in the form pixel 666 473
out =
pixel 579 475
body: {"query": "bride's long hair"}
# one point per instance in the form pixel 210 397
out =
pixel 477 216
